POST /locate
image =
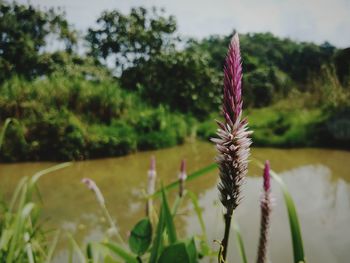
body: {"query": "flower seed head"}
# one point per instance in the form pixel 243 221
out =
pixel 93 187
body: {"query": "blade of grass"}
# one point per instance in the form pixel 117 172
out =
pixel 168 219
pixel 3 131
pixel 176 205
pixel 157 242
pixel 77 249
pixel 198 211
pixel 52 247
pixel 29 248
pixel 18 224
pixel 121 252
pixel 16 193
pixel 240 242
pixel 51 169
pixel 297 240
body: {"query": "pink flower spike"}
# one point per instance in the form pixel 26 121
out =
pixel 267 177
pixel 233 144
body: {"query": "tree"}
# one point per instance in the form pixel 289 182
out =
pixel 131 38
pixel 24 31
pixel 180 79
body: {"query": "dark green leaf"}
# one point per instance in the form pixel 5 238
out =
pixel 141 237
pixel 89 252
pixel 157 242
pixel 174 254
pixel 168 219
pixel 192 251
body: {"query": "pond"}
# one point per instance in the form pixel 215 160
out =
pixel 318 179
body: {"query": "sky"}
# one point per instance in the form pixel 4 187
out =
pixel 302 20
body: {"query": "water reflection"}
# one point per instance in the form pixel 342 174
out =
pixel 318 180
pixel 323 205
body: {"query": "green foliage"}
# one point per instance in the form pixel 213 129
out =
pixel 120 252
pixel 342 64
pixel 3 131
pixel 163 93
pixel 273 67
pixel 131 38
pixel 157 128
pixel 141 237
pixel 66 117
pixel 181 79
pixel 22 238
pixel 169 223
pixel 175 253
pixel 24 32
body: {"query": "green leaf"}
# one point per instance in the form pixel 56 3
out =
pixel 141 237
pixel 240 243
pixel 190 177
pixel 75 247
pixel 297 240
pixel 121 252
pixel 52 247
pixel 176 204
pixel 198 211
pixel 192 250
pixel 109 259
pixel 175 253
pixel 157 242
pixel 89 252
pixel 51 169
pixel 168 219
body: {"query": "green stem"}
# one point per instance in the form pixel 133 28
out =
pixel 111 222
pixel 224 242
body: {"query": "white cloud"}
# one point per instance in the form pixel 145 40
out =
pixel 303 20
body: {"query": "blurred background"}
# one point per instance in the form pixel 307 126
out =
pixel 100 79
pixel 78 75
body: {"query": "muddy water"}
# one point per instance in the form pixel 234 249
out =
pixel 319 181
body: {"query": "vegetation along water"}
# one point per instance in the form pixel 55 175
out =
pixel 140 86
pixel 152 93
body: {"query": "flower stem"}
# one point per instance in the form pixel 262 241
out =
pixel 224 242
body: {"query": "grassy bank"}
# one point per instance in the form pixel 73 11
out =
pixel 64 118
pixel 76 116
pixel 277 126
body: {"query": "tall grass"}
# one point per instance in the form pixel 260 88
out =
pixel 22 238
